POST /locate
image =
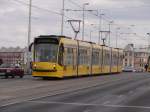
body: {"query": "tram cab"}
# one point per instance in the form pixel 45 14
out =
pixel 45 57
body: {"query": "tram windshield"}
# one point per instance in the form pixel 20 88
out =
pixel 46 52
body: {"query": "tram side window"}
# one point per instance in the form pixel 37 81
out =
pixel 60 56
pixel 83 57
pixel 95 58
pixel 100 57
pixel 107 58
pixel 114 59
pixel 104 57
pixel 68 56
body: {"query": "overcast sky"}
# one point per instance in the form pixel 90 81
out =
pixel 131 16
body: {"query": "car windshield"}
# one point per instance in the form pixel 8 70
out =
pixel 46 52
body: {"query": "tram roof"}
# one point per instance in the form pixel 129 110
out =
pixel 53 36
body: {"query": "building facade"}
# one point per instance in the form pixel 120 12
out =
pixel 140 58
pixel 13 56
pixel 129 56
pixel 135 57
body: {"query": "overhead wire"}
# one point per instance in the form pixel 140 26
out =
pixel 44 9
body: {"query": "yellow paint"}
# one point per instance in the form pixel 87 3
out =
pixel 119 69
pixel 70 71
pixel 40 69
pixel 106 69
pixel 96 69
pixel 83 70
pixel 114 69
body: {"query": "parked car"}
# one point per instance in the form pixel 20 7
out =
pixel 128 69
pixel 7 70
pixel 139 70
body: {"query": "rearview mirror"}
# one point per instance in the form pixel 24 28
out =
pixel 1 61
pixel 30 47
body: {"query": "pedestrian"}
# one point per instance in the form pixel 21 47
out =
pixel 146 67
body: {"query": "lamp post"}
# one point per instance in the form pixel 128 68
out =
pixel 117 29
pixel 62 19
pixel 110 23
pixel 148 41
pixel 29 36
pixel 83 19
pixel 91 32
pixel 100 27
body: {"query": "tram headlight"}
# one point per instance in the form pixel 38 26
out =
pixel 54 67
pixel 34 65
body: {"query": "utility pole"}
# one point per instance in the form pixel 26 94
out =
pixel 62 19
pixel 117 36
pixel 83 19
pixel 91 32
pixel 110 63
pixel 29 36
pixel 100 27
pixel 110 23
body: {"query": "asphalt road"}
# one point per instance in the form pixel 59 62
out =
pixel 126 92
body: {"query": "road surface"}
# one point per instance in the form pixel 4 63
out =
pixel 126 92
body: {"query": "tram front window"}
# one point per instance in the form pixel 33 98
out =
pixel 46 52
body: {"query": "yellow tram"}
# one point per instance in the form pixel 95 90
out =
pixel 60 56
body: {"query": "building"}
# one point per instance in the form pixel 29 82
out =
pixel 13 55
pixel 135 57
pixel 129 56
pixel 140 58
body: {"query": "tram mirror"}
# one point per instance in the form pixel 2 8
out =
pixel 30 47
pixel 1 61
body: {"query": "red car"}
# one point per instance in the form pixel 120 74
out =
pixel 7 70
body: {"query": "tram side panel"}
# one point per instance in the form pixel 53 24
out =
pixel 69 57
pixel 120 61
pixel 84 58
pixel 106 60
pixel 114 65
pixel 96 59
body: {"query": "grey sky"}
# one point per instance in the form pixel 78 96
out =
pixel 124 13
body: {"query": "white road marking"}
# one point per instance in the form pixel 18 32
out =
pixel 90 104
pixel 106 102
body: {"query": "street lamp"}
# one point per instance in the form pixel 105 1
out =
pixel 117 29
pixel 29 36
pixel 110 23
pixel 148 40
pixel 91 32
pixel 100 27
pixel 83 19
pixel 62 19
